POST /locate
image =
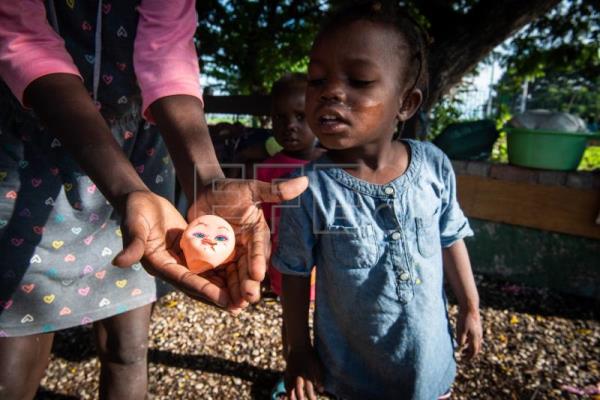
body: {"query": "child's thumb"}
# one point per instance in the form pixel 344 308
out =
pixel 134 245
pixel 462 337
pixel 282 191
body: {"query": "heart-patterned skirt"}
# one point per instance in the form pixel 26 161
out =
pixel 58 234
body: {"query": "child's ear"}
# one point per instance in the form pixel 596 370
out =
pixel 410 105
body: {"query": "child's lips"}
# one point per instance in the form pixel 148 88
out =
pixel 331 120
pixel 332 126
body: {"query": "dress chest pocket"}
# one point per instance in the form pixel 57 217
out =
pixel 351 247
pixel 428 237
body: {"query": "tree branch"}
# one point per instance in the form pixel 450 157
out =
pixel 458 48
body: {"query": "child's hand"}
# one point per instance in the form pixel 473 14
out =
pixel 469 332
pixel 303 374
pixel 238 202
pixel 151 229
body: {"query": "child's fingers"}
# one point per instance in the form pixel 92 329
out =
pixel 473 346
pixel 474 349
pixel 299 389
pixel 193 285
pixel 134 245
pixel 310 391
pixel 249 288
pixel 233 284
pixel 259 250
pixel 461 337
pixel 477 342
pixel 275 193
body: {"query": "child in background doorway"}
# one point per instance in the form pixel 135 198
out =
pixel 381 223
pixel 299 147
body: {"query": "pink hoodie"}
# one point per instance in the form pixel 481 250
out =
pixel 164 55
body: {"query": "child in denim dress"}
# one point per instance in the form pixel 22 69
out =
pixel 380 221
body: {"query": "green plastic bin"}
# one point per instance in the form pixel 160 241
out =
pixel 470 140
pixel 560 151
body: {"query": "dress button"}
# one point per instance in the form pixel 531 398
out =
pixel 389 190
pixel 404 276
pixel 396 236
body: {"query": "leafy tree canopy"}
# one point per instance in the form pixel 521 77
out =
pixel 247 45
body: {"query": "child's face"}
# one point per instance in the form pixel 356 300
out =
pixel 355 88
pixel 289 123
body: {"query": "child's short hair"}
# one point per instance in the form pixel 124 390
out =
pixel 386 13
pixel 290 82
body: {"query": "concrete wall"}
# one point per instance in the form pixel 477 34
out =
pixel 533 257
pixel 530 255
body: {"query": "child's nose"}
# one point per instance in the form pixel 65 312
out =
pixel 333 91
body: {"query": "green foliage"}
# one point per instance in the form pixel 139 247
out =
pixel 559 55
pixel 444 113
pixel 556 91
pixel 500 149
pixel 591 159
pixel 450 109
pixel 563 41
pixel 247 45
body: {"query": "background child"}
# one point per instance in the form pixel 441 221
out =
pixel 383 228
pixel 299 147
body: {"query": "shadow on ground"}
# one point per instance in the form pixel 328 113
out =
pixel 76 345
pixel 262 379
pixel 44 394
pixel 502 295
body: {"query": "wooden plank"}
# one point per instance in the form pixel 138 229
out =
pixel 551 208
pixel 241 105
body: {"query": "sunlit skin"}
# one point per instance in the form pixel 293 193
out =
pixel 290 127
pixel 357 95
pixel 207 243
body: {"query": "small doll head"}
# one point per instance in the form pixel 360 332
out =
pixel 207 243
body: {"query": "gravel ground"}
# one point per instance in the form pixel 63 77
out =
pixel 538 345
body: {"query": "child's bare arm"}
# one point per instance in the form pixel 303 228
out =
pixel 295 302
pixel 303 372
pixel 64 106
pixel 183 126
pixel 457 269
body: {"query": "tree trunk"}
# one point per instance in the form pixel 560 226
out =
pixel 461 41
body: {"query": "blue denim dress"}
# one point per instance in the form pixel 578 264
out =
pixel 381 324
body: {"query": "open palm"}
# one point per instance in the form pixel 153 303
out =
pixel 238 202
pixel 152 228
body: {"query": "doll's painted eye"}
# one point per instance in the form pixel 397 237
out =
pixel 199 235
pixel 221 238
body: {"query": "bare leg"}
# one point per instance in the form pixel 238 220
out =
pixel 122 343
pixel 24 360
